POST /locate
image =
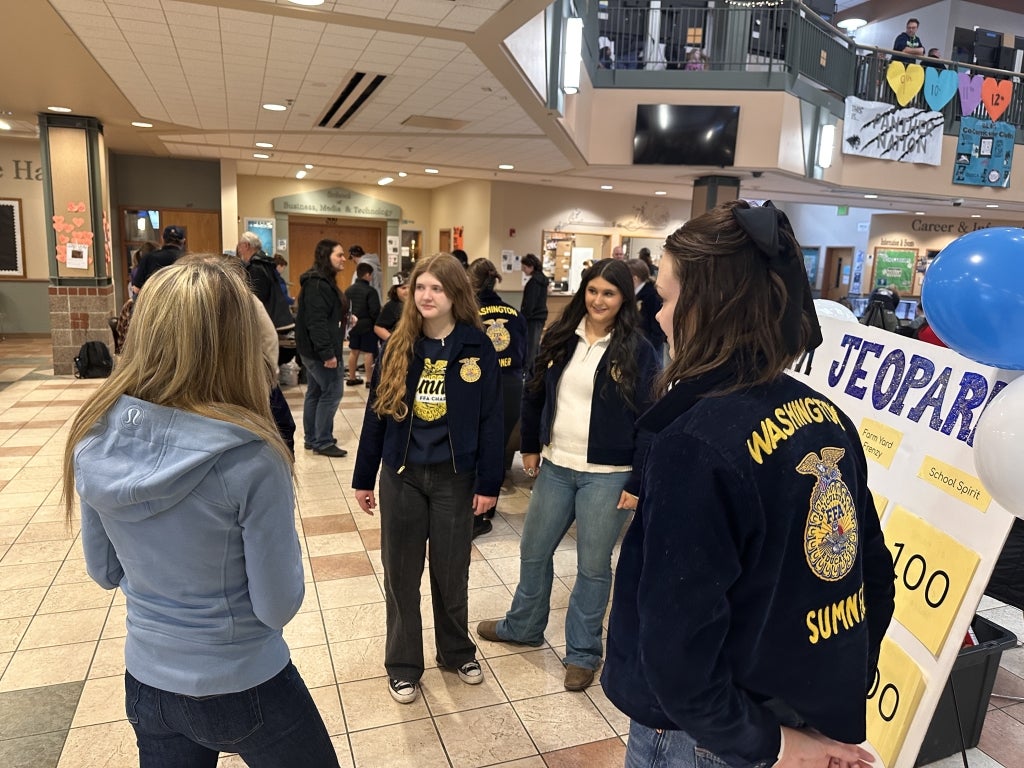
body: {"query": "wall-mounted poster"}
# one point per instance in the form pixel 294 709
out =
pixel 811 258
pixel 888 132
pixel 984 153
pixel 264 229
pixel 894 268
pixel 12 259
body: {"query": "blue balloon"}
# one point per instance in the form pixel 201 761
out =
pixel 973 296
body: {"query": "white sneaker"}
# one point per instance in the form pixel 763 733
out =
pixel 403 691
pixel 470 673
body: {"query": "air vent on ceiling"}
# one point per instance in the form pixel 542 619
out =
pixel 353 95
pixel 439 123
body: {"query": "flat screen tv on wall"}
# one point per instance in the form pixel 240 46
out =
pixel 678 134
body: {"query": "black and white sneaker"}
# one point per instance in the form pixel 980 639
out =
pixel 470 673
pixel 403 691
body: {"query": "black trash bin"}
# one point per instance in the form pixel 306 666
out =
pixel 972 677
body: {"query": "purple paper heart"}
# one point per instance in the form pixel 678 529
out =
pixel 970 92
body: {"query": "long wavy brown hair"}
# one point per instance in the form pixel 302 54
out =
pixel 193 346
pixel 730 305
pixel 394 366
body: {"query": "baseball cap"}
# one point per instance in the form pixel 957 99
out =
pixel 174 233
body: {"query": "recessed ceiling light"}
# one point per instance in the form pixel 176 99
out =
pixel 506 167
pixel 308 2
pixel 384 181
pixel 275 107
pixel 309 166
pixel 992 205
pixel 402 174
pixel 300 175
pixel 431 170
pixel 4 125
pixel 607 186
pixel 661 192
pixel 141 124
pixel 264 145
pixel 851 25
pixel 59 109
pixel 870 197
pixel 975 215
pixel 919 213
pixel 260 155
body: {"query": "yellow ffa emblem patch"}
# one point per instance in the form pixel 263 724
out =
pixel 429 402
pixel 615 373
pixel 470 371
pixel 830 539
pixel 498 334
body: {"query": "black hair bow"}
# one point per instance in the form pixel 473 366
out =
pixel 762 226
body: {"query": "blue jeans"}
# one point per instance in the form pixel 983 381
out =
pixel 649 748
pixel 274 725
pixel 324 387
pixel 560 496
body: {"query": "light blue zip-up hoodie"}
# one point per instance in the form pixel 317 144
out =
pixel 193 519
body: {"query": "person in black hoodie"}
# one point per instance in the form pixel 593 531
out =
pixel 754 585
pixel 506 329
pixel 534 307
pixel 319 336
pixel 263 279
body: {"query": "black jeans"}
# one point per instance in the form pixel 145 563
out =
pixel 426 504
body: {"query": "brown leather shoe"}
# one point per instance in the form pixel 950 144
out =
pixel 488 630
pixel 577 678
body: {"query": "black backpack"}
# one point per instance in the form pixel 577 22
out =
pixel 93 361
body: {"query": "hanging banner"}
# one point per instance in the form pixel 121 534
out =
pixel 984 153
pixel 888 132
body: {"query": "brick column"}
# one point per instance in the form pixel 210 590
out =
pixel 78 314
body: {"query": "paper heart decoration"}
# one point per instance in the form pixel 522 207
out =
pixel 996 95
pixel 76 207
pixel 78 221
pixel 970 92
pixel 63 239
pixel 85 237
pixel 69 227
pixel 906 81
pixel 58 220
pixel 939 87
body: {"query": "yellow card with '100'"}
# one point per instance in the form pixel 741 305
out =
pixel 933 572
pixel 892 701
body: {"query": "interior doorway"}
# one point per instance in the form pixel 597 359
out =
pixel 304 232
pixel 444 241
pixel 835 284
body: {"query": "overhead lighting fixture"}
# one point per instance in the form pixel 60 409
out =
pixel 300 174
pixel 573 57
pixel 607 186
pixel 991 205
pixel 661 192
pixel 919 213
pixel 402 174
pixel 275 107
pixel 975 215
pixel 506 167
pixel 141 124
pixel 261 155
pixel 308 2
pixel 870 197
pixel 264 145
pixel 826 144
pixel 4 125
pixel 431 170
pixel 59 109
pixel 309 166
pixel 384 181
pixel 851 25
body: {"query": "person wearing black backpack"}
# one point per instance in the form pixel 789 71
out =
pixel 263 279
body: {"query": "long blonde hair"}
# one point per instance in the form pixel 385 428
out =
pixel 390 396
pixel 193 345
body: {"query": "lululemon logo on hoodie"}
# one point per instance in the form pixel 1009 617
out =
pixel 132 417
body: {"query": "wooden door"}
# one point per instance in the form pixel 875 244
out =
pixel 305 232
pixel 444 241
pixel 838 272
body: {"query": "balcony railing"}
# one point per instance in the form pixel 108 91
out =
pixel 746 46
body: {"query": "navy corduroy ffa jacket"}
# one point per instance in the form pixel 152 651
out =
pixel 612 436
pixel 754 578
pixel 474 412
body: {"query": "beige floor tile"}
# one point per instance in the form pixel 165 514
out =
pixel 10 533
pixel 522 675
pixel 102 701
pixel 111 745
pixel 554 633
pixel 73 571
pixel 562 720
pixel 368 704
pixel 609 753
pixel 358 590
pixel 12 630
pixel 305 629
pixel 64 628
pixel 506 568
pixel 358 659
pixel 329 705
pixel 314 664
pixel 355 621
pixel 47 666
pixel 342 750
pixel 334 544
pixel 446 693
pixel 115 625
pixel 486 736
pixel 496 547
pixel 526 762
pixel 109 658
pixel 76 596
pixel 55 531
pixel 15 516
pixel 21 602
pixel 5 659
pixel 489 602
pixel 618 721
pixel 36 552
pixel 26 499
pixel 406 745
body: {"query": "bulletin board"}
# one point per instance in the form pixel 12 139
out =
pixel 12 239
pixel 916 407
pixel 896 267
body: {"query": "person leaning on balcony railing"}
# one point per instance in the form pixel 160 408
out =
pixel 908 42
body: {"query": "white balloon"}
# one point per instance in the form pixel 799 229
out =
pixel 827 308
pixel 998 445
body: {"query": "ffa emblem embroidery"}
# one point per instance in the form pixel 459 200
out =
pixel 470 371
pixel 830 538
pixel 430 403
pixel 498 334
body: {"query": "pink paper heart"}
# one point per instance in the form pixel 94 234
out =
pixel 85 237
pixel 69 227
pixel 58 219
pixel 71 207
pixel 78 221
pixel 970 92
pixel 64 239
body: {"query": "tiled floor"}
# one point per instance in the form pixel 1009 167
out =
pixel 62 637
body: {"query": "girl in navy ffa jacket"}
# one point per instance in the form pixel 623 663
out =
pixel 754 585
pixel 434 420
pixel 593 376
